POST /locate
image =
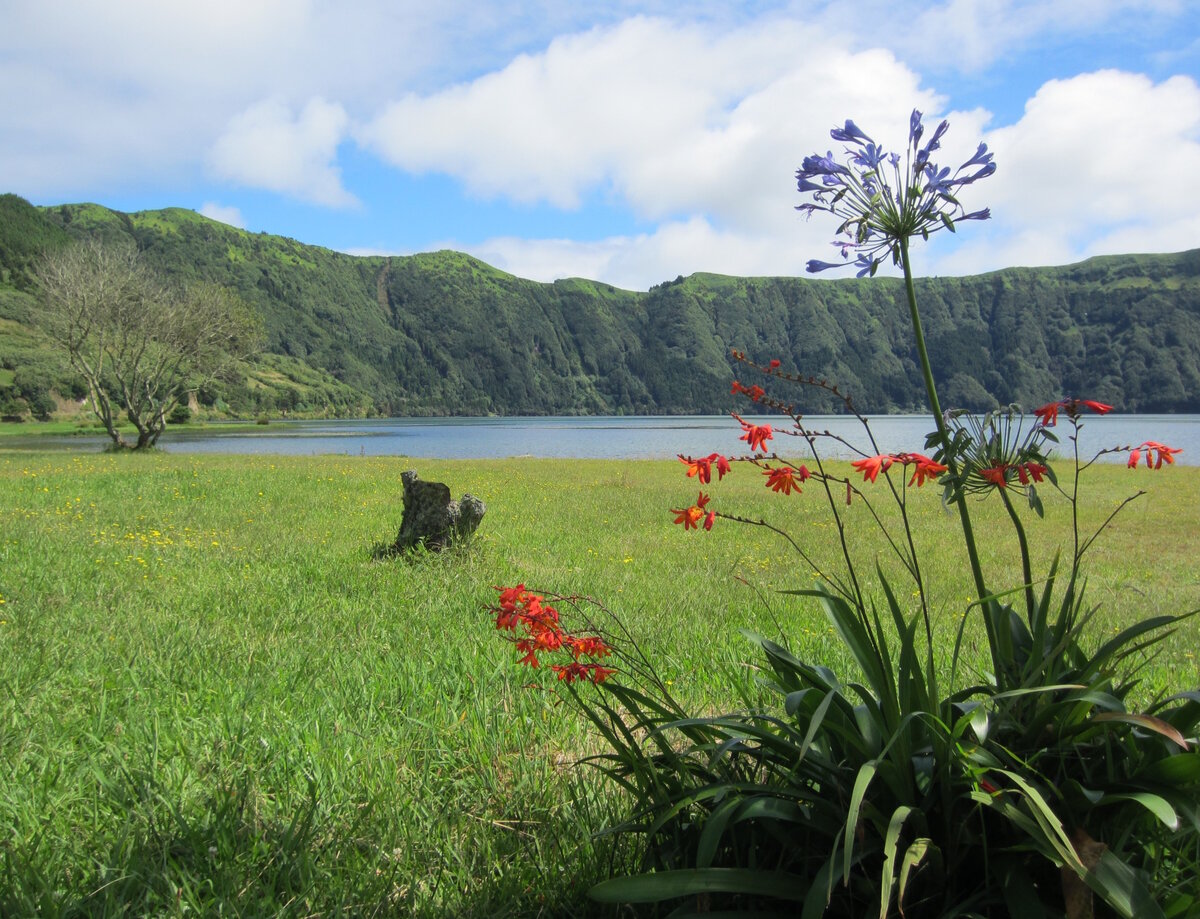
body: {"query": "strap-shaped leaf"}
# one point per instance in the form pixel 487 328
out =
pixel 669 885
pixel 1156 804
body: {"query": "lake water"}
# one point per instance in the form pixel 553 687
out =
pixel 622 437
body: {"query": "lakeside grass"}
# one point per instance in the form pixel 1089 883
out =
pixel 215 700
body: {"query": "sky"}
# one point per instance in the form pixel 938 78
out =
pixel 627 141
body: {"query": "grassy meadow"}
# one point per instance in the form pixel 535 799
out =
pixel 214 700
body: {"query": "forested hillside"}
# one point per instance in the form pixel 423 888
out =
pixel 443 333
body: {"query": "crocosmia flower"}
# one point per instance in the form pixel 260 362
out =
pixel 871 466
pixel 690 516
pixel 1072 408
pixel 882 198
pixel 786 479
pixel 701 468
pixel 756 435
pixel 924 469
pixel 1156 454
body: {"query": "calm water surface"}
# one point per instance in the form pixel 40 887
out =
pixel 632 437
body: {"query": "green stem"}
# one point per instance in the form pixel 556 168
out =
pixel 943 432
pixel 1026 568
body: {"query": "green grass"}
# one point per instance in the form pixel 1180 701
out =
pixel 213 700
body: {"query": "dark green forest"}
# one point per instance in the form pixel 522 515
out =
pixel 445 334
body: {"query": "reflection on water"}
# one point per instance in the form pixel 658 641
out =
pixel 605 437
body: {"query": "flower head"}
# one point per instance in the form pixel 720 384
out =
pixel 925 469
pixel 701 468
pixel 756 435
pixel 786 479
pixel 1156 454
pixel 880 203
pixel 690 516
pixel 871 466
pixel 1072 408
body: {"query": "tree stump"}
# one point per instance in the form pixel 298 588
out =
pixel 433 520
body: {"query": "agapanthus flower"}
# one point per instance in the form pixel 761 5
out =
pixel 884 197
pixel 1072 408
pixel 1156 454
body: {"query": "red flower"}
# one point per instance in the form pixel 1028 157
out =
pixel 773 364
pixel 1027 471
pixel 1048 414
pixel 1156 453
pixel 871 466
pixel 702 468
pixel 755 393
pixel 698 468
pixel 996 475
pixel 586 646
pixel 926 469
pixel 709 519
pixel 592 673
pixel 690 516
pixel 783 478
pixel 756 435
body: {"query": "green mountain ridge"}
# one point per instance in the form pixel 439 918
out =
pixel 443 333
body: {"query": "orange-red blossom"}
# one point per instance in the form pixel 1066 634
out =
pixel 526 614
pixel 1156 454
pixel 690 516
pixel 756 435
pixel 925 469
pixel 1026 472
pixel 786 479
pixel 1073 408
pixel 701 468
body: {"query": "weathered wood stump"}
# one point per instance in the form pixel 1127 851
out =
pixel 433 520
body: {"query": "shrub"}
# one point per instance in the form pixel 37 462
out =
pixel 908 787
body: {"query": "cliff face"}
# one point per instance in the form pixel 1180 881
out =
pixel 442 333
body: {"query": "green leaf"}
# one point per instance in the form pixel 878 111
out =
pixel 865 773
pixel 1149 722
pixel 890 844
pixel 1122 889
pixel 914 855
pixel 669 885
pixel 1156 804
pixel 734 812
pixel 1175 771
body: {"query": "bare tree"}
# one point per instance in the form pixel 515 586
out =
pixel 140 345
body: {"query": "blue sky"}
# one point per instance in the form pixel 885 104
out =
pixel 624 141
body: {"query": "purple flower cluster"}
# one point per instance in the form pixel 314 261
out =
pixel 879 202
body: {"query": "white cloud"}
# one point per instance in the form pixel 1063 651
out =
pixel 266 146
pixel 637 262
pixel 219 212
pixel 690 119
pixel 667 120
pixel 969 36
pixel 1100 163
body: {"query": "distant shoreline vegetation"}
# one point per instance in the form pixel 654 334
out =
pixel 445 335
